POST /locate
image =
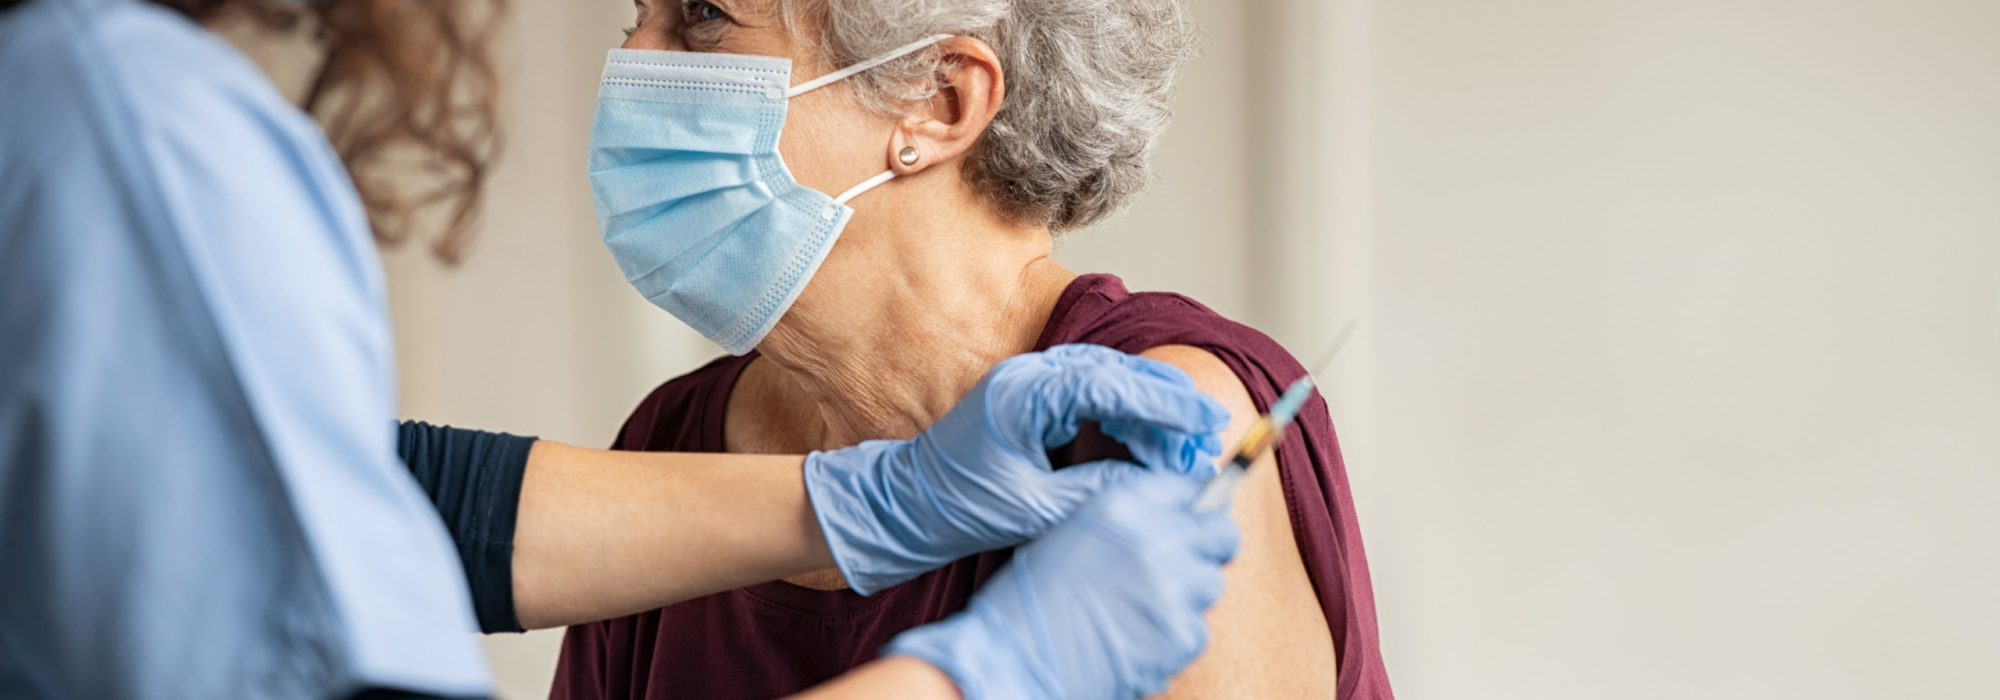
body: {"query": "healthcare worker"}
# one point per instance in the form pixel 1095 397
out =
pixel 200 493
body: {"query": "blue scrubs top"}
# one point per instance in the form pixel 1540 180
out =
pixel 199 489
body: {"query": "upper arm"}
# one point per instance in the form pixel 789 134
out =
pixel 1268 637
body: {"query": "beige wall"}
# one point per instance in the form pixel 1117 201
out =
pixel 1684 370
pixel 1679 363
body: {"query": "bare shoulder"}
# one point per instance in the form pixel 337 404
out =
pixel 1210 375
pixel 1268 636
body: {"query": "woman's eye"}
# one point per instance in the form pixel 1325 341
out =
pixel 698 11
pixel 629 30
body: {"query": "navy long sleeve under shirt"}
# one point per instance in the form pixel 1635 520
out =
pixel 474 479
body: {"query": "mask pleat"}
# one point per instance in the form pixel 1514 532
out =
pixel 624 123
pixel 669 241
pixel 664 178
pixel 793 241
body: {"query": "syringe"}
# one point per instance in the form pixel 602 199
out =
pixel 1267 431
pixel 1263 435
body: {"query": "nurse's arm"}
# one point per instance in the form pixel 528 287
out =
pixel 602 534
pixel 893 677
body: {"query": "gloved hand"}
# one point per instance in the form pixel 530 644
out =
pixel 980 479
pixel 1107 606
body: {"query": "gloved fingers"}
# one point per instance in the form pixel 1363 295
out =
pixel 1163 504
pixel 1151 442
pixel 953 647
pixel 1215 536
pixel 1060 494
pixel 1188 634
pixel 1202 584
pixel 1192 454
pixel 1081 352
pixel 1080 482
pixel 1109 393
pixel 1164 492
pixel 1085 353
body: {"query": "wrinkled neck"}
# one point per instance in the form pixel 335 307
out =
pixel 910 309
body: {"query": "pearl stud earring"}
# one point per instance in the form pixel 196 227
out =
pixel 908 156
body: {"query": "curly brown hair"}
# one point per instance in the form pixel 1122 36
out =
pixel 408 95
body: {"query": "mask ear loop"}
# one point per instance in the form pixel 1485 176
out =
pixel 831 78
pixel 856 191
pixel 836 76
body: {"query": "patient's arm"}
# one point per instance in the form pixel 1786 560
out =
pixel 602 534
pixel 1268 638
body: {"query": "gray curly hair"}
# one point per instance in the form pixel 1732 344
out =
pixel 1088 83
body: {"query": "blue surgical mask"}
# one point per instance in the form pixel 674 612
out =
pixel 692 198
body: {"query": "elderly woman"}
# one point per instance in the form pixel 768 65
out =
pixel 962 136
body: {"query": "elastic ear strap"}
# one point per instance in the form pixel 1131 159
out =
pixel 856 191
pixel 830 78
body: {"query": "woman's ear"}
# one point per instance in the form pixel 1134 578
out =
pixel 945 127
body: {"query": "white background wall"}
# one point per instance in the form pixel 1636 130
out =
pixel 1679 364
pixel 1685 371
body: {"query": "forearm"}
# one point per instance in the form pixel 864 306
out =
pixel 893 677
pixel 602 534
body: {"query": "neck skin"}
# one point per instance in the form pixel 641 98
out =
pixel 925 291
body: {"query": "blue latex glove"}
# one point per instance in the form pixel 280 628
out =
pixel 1108 606
pixel 980 479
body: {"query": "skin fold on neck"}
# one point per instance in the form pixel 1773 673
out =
pixel 927 289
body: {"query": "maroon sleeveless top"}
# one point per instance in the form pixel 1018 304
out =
pixel 774 639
